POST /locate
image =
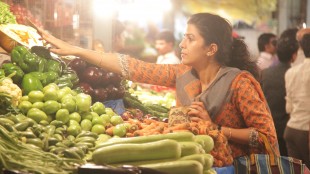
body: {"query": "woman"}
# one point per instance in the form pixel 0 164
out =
pixel 214 79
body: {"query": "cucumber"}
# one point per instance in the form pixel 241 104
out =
pixel 177 167
pixel 178 136
pixel 162 149
pixel 196 157
pixel 190 148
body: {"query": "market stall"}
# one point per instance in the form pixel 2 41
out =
pixel 63 115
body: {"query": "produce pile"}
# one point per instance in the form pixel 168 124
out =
pixel 6 16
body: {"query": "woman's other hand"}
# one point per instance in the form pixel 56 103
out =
pixel 59 47
pixel 198 111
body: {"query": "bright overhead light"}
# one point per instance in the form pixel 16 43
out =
pixel 105 8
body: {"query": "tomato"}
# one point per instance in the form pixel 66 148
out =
pixel 62 115
pixel 24 98
pixel 98 120
pixel 69 104
pixel 116 119
pixel 86 115
pixel 38 105
pixel 75 116
pixel 106 117
pixel 24 106
pixel 83 102
pixel 98 107
pixel 86 125
pixel 51 85
pixel 51 107
pixel 50 94
pixel 98 128
pixel 74 129
pixel 36 114
pixel 109 111
pixel 35 96
pixel 119 130
pixel 62 92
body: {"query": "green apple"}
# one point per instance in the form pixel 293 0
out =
pixel 75 116
pixel 116 119
pixel 86 125
pixel 98 128
pixel 62 115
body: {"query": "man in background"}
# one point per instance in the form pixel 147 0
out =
pixel 267 49
pixel 164 45
pixel 273 84
pixel 297 84
pixel 300 53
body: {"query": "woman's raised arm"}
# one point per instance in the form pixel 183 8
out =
pixel 108 61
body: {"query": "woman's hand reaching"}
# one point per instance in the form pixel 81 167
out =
pixel 197 112
pixel 59 47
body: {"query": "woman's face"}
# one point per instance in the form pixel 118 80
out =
pixel 193 47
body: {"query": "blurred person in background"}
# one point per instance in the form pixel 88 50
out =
pixel 273 84
pixel 297 84
pixel 217 80
pixel 267 50
pixel 164 45
pixel 300 55
pixel 117 38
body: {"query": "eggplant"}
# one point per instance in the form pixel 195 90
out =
pixel 86 88
pixel 78 65
pixel 92 75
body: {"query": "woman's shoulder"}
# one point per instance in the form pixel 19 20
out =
pixel 244 79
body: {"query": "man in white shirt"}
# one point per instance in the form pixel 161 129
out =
pixel 300 54
pixel 164 45
pixel 297 84
pixel 267 47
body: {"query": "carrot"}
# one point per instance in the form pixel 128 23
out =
pixel 109 131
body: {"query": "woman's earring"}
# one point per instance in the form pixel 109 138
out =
pixel 208 54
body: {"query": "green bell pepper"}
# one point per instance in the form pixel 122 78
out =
pixel 70 74
pixel 10 68
pixel 51 77
pixel 53 65
pixel 64 82
pixel 27 61
pixel 18 53
pixel 30 83
pixel 39 75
